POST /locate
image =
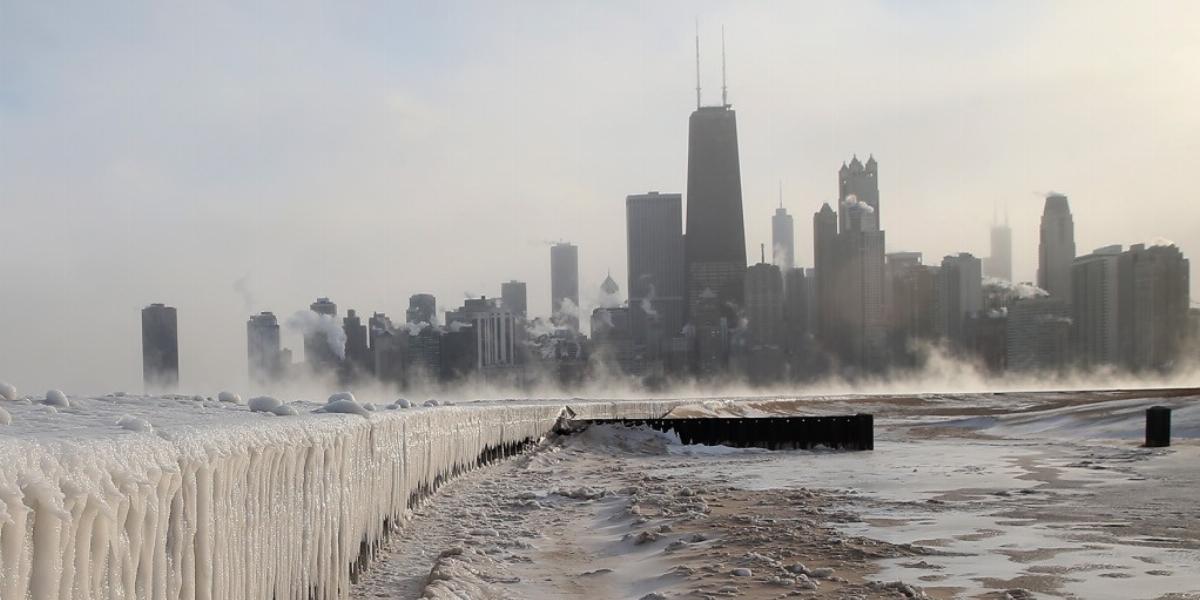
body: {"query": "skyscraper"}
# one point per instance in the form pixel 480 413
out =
pixel 1095 307
pixel 358 353
pixel 825 231
pixel 1153 298
pixel 422 308
pixel 1056 250
pixel 999 264
pixel 264 354
pixel 564 285
pixel 783 239
pixel 512 294
pixel 959 294
pixel 1038 334
pixel 654 234
pixel 715 245
pixel 859 183
pixel 160 347
pixel 321 342
pixel 764 305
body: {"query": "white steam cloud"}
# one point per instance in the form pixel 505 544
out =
pixel 1014 291
pixel 852 202
pixel 307 323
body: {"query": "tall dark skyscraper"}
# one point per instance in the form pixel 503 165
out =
pixel 564 285
pixel 654 234
pixel 512 294
pixel 861 182
pixel 319 350
pixel 264 354
pixel 783 239
pixel 825 248
pixel 160 347
pixel 1056 250
pixel 715 246
pixel 422 308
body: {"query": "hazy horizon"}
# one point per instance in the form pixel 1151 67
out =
pixel 228 160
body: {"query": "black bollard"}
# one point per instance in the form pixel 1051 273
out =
pixel 865 426
pixel 1158 427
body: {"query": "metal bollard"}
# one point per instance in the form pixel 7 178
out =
pixel 1158 427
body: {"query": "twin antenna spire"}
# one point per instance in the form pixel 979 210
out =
pixel 724 89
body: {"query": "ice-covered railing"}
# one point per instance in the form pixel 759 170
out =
pixel 190 497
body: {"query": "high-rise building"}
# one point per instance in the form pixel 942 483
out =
pixel 160 347
pixel 1056 250
pixel 860 336
pixel 358 352
pixel 911 300
pixel 1095 307
pixel 764 305
pixel 492 327
pixel 323 349
pixel 825 255
pixel 999 264
pixel 612 338
pixel 564 285
pixel 959 295
pixel 783 239
pixel 654 234
pixel 1153 300
pixel 797 302
pixel 422 308
pixel 512 294
pixel 1038 334
pixel 715 244
pixel 263 349
pixel 858 183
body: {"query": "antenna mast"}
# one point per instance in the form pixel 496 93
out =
pixel 724 92
pixel 780 193
pixel 762 248
pixel 697 63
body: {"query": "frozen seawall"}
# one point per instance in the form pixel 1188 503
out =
pixel 191 497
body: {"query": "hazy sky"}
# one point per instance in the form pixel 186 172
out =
pixel 226 159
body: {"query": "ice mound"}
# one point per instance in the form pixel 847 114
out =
pixel 369 406
pixel 341 396
pixel 431 402
pixel 8 391
pixel 229 397
pixel 263 404
pixel 5 418
pixel 284 410
pixel 343 406
pixel 56 399
pixel 400 403
pixel 133 423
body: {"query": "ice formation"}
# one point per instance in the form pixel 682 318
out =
pixel 8 391
pixel 207 503
pixel 5 418
pixel 229 397
pixel 56 399
pixel 263 404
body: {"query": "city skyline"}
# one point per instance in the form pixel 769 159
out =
pixel 219 294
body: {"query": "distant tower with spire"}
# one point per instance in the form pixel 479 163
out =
pixel 999 263
pixel 783 237
pixel 862 182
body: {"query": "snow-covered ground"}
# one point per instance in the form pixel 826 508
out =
pixel 216 497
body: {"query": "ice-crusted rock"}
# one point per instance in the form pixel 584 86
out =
pixel 263 404
pixel 741 572
pixel 8 391
pixel 133 423
pixel 400 403
pixel 229 397
pixel 5 418
pixel 431 402
pixel 341 396
pixel 581 493
pixel 369 406
pixel 57 399
pixel 284 410
pixel 345 407
pixel 653 596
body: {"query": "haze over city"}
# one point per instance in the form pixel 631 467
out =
pixel 229 160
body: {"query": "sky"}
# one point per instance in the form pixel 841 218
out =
pixel 230 158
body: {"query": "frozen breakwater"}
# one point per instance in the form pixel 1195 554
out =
pixel 205 499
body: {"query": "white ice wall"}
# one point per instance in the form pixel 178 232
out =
pixel 252 507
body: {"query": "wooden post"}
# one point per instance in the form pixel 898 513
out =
pixel 1158 427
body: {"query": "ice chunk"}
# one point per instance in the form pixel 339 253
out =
pixel 401 403
pixel 284 410
pixel 343 406
pixel 229 397
pixel 369 406
pixel 5 418
pixel 431 402
pixel 341 396
pixel 133 423
pixel 56 398
pixel 263 404
pixel 8 391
